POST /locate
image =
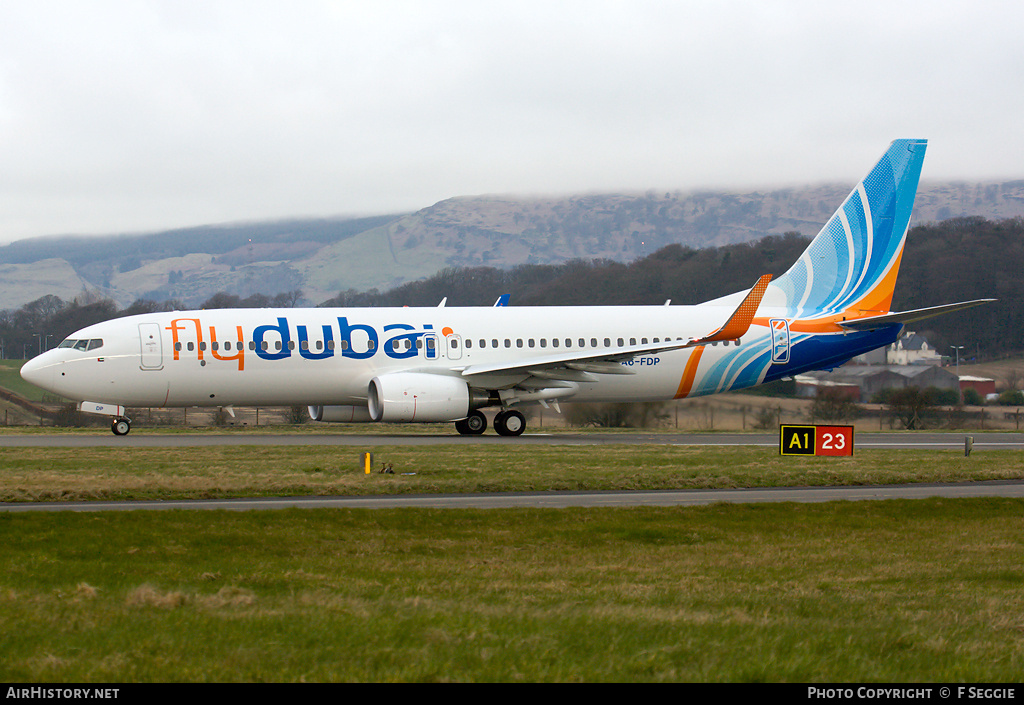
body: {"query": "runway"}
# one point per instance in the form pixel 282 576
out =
pixel 904 440
pixel 556 500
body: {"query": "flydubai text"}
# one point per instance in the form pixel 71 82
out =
pixel 278 341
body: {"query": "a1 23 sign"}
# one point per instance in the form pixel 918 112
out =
pixel 816 440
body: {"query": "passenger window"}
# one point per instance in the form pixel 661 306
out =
pixel 543 342
pixel 508 343
pixel 554 342
pixel 469 343
pixel 607 342
pixel 494 343
pixel 593 342
pixel 519 342
pixel 632 341
pixel 620 342
pixel 191 346
pixel 177 346
pixel 582 342
pixel 530 342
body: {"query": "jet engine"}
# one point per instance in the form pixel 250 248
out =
pixel 417 396
pixel 340 414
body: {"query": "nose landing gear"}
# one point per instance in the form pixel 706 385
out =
pixel 121 426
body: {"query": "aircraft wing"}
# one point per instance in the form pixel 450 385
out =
pixel 581 366
pixel 917 314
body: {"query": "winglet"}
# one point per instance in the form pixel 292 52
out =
pixel 739 321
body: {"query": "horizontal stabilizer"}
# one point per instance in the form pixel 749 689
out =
pixel 917 314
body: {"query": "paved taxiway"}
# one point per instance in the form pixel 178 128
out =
pixel 660 498
pixel 895 440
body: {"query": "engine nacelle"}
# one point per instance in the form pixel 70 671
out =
pixel 417 396
pixel 340 414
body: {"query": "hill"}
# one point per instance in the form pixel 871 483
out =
pixel 323 257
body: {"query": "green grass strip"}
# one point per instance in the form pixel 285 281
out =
pixel 896 591
pixel 46 474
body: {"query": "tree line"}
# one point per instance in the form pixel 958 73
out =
pixel 41 324
pixel 953 260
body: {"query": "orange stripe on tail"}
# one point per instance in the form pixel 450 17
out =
pixel 689 373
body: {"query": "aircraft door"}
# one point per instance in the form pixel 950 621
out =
pixel 780 340
pixel 152 357
pixel 454 344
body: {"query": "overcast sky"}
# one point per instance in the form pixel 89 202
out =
pixel 145 115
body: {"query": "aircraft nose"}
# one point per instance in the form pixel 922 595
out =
pixel 38 371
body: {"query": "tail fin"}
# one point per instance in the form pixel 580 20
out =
pixel 851 266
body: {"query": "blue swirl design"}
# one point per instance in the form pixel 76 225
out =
pixel 842 269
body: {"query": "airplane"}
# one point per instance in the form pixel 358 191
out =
pixel 446 364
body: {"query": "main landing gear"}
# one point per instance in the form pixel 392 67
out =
pixel 507 423
pixel 510 423
pixel 121 426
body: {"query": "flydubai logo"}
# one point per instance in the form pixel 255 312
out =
pixel 280 341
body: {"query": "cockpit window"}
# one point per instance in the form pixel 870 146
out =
pixel 85 344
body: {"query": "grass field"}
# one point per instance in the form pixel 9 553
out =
pixel 43 474
pixel 868 591
pixel 892 591
pixel 10 379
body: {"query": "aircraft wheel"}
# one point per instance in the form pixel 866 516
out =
pixel 121 427
pixel 510 423
pixel 472 425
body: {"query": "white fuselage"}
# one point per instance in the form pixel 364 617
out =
pixel 328 356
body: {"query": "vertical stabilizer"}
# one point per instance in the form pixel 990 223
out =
pixel 851 265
